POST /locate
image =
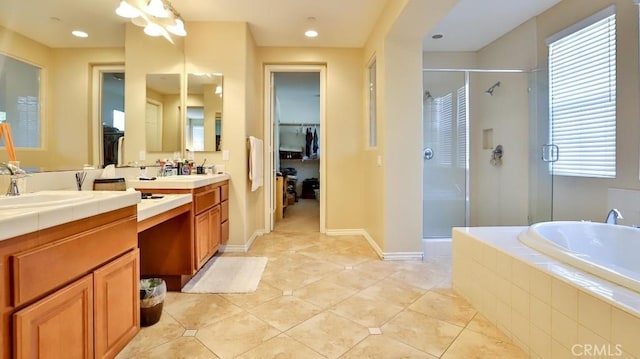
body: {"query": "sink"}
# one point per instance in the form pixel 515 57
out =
pixel 50 198
pixel 181 178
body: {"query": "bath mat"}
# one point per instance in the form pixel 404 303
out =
pixel 228 275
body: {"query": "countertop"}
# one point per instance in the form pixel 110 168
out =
pixel 177 182
pixel 17 220
pixel 150 207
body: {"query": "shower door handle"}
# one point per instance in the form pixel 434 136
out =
pixel 550 153
pixel 427 153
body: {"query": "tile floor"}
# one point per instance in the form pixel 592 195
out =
pixel 325 297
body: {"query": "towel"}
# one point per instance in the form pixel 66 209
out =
pixel 120 159
pixel 255 163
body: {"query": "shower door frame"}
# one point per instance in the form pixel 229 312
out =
pixel 467 73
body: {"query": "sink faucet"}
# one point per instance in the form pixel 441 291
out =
pixel 613 217
pixel 15 172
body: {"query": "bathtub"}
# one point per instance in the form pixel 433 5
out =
pixel 608 251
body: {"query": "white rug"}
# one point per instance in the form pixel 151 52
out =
pixel 228 275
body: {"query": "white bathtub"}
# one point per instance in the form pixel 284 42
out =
pixel 609 251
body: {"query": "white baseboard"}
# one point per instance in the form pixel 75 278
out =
pixel 392 256
pixel 242 248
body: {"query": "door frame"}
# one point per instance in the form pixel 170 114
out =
pixel 97 144
pixel 268 135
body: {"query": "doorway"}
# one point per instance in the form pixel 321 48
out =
pixel 108 114
pixel 295 146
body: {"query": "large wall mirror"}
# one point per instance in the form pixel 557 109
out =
pixel 162 115
pixel 203 125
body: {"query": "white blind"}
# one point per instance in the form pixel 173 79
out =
pixel 461 128
pixel 582 94
pixel 444 107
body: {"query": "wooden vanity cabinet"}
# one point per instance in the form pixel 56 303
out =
pixel 71 291
pixel 210 228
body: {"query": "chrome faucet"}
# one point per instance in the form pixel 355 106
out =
pixel 613 217
pixel 14 172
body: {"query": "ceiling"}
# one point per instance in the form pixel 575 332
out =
pixel 471 24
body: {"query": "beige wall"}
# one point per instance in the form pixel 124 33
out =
pixel 344 141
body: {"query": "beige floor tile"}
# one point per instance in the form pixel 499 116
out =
pixel 381 347
pixel 450 309
pixel 475 345
pixel 285 312
pixel 482 325
pixel 235 335
pixel 428 334
pixel 350 278
pixel 370 312
pixel 324 293
pixel 164 331
pixel 325 280
pixel 195 311
pixel 394 291
pixel 329 334
pixel 427 279
pixel 281 347
pixel 181 348
pixel 263 294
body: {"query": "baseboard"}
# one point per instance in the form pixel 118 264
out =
pixel 241 248
pixel 393 256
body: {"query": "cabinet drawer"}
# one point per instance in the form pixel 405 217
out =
pixel 206 199
pixel 39 270
pixel 224 211
pixel 224 189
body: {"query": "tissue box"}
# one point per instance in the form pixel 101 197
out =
pixel 109 184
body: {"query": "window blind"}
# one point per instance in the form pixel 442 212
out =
pixel 445 129
pixel 461 128
pixel 582 95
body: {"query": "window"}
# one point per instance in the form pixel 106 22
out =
pixel 373 127
pixel 20 101
pixel 582 97
pixel 461 128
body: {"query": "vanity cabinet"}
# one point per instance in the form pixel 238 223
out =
pixel 71 291
pixel 208 229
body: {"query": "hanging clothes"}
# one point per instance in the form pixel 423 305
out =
pixel 309 140
pixel 315 141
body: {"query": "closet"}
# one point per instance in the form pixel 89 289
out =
pixel 297 140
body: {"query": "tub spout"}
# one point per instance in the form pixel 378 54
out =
pixel 613 216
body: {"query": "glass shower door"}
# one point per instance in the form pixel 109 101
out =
pixel 445 154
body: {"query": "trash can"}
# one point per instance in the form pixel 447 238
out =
pixel 152 294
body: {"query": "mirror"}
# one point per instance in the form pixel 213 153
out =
pixel 203 126
pixel 162 113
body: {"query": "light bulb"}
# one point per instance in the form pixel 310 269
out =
pixel 178 28
pixel 153 29
pixel 126 10
pixel 156 8
pixel 311 33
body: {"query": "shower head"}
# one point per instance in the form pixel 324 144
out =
pixel 427 95
pixel 492 88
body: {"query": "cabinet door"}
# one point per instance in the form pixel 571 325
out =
pixel 59 325
pixel 117 304
pixel 202 238
pixel 214 240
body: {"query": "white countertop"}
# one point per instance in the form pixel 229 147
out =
pixel 22 219
pixel 177 182
pixel 150 207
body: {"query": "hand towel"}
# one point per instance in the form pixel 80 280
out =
pixel 255 163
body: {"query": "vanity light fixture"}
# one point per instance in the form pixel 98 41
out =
pixel 158 17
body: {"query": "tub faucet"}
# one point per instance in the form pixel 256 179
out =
pixel 613 217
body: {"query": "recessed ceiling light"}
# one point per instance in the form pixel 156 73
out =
pixel 437 36
pixel 311 33
pixel 78 33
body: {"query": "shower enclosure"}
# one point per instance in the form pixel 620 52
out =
pixel 483 134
